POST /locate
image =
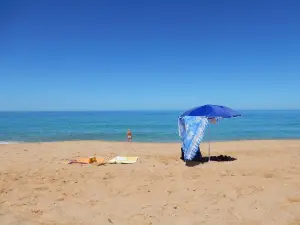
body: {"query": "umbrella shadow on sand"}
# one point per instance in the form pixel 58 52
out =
pixel 205 159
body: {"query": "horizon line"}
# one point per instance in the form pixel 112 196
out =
pixel 140 110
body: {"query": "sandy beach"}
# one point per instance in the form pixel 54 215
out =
pixel 261 187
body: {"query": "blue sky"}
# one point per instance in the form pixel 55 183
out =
pixel 107 55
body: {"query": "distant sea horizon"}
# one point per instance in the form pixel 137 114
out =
pixel 146 125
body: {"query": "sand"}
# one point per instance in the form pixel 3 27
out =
pixel 261 187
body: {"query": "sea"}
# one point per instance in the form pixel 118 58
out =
pixel 146 126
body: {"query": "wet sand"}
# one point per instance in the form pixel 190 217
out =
pixel 261 187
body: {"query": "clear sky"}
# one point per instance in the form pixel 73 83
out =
pixel 154 54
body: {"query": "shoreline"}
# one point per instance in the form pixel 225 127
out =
pixel 140 142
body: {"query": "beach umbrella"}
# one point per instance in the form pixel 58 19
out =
pixel 211 111
pixel 193 122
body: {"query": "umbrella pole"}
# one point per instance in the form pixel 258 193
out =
pixel 208 151
pixel 208 143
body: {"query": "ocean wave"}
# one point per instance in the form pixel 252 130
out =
pixel 8 142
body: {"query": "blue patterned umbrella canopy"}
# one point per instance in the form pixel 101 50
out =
pixel 192 124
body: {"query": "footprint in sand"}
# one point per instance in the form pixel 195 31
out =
pixel 294 199
pixel 268 175
pixel 41 188
pixel 37 211
pixel 60 199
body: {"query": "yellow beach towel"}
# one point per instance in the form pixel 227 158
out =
pixel 123 160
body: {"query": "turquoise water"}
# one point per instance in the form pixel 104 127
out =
pixel 151 126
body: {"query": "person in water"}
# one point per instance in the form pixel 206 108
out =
pixel 129 135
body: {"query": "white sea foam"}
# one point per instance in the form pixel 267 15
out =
pixel 8 142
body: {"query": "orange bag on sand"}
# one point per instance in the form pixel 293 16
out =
pixel 84 160
pixel 87 160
